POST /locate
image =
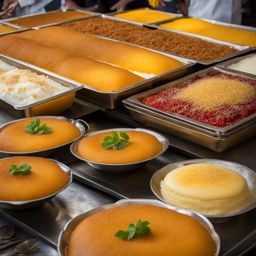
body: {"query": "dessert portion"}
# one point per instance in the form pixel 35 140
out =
pixel 30 178
pixel 123 147
pixel 22 87
pixel 48 18
pixel 217 31
pixel 216 98
pixel 247 65
pixel 181 45
pixel 145 16
pixel 208 189
pixel 4 67
pixel 157 232
pixel 5 29
pixel 98 75
pixel 37 134
pixel 124 56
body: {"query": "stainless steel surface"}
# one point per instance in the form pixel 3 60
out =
pixel 25 109
pixel 248 174
pixel 215 138
pixel 175 16
pixel 81 125
pixel 225 65
pixel 120 167
pixel 21 205
pixel 71 225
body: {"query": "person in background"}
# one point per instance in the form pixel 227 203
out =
pixel 226 11
pixel 165 5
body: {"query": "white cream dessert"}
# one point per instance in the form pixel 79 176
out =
pixel 4 67
pixel 247 65
pixel 21 87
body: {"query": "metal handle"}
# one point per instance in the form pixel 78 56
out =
pixel 87 127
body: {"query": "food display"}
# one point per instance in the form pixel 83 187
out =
pixel 4 67
pixel 247 65
pixel 181 45
pixel 48 18
pixel 213 30
pixel 22 87
pixel 30 178
pixel 132 58
pixel 6 29
pixel 145 16
pixel 216 98
pixel 157 232
pixel 37 134
pixel 206 188
pixel 118 147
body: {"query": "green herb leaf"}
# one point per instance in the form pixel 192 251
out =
pixel 23 169
pixel 134 230
pixel 34 128
pixel 116 141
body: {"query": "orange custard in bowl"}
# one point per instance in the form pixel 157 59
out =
pixel 43 179
pixel 141 146
pixel 15 138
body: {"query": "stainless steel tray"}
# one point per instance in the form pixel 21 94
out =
pixel 175 16
pixel 64 237
pixel 224 65
pixel 9 20
pixel 215 138
pixel 240 49
pixel 16 28
pixel 26 110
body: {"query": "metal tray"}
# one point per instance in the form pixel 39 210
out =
pixel 71 225
pixel 26 110
pixel 215 138
pixel 9 20
pixel 247 173
pixel 175 16
pixel 80 124
pixel 22 205
pixel 240 49
pixel 16 28
pixel 224 65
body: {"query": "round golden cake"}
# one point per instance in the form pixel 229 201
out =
pixel 171 234
pixel 141 146
pixel 46 178
pixel 208 189
pixel 14 138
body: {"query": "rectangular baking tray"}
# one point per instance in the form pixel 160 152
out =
pixel 240 49
pixel 25 110
pixel 16 28
pixel 8 21
pixel 215 138
pixel 175 16
pixel 224 65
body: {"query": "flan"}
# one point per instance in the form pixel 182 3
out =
pixel 206 188
pixel 145 16
pixel 171 234
pixel 14 138
pixel 48 18
pixel 142 146
pixel 45 178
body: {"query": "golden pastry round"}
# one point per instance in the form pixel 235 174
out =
pixel 171 234
pixel 208 189
pixel 46 178
pixel 14 138
pixel 141 146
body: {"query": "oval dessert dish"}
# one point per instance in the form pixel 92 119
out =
pixel 32 181
pixel 157 231
pixel 119 149
pixel 38 134
pixel 214 188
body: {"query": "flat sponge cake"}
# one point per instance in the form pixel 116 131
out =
pixel 206 188
pixel 171 234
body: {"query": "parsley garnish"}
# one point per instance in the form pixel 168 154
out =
pixel 34 128
pixel 116 141
pixel 134 230
pixel 23 169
